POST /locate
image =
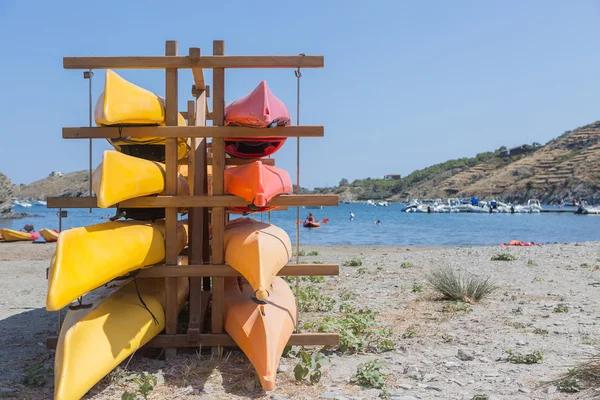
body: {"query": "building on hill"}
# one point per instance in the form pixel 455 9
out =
pixel 392 176
pixel 522 149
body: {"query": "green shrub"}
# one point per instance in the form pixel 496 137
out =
pixel 452 285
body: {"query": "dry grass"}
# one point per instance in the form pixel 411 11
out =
pixel 454 286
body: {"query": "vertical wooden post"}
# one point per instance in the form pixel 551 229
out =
pixel 171 190
pixel 196 220
pixel 218 213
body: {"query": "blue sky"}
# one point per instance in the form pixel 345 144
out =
pixel 405 84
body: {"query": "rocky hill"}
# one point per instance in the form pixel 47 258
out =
pixel 5 196
pixel 74 184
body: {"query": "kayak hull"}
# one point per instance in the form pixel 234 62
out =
pixel 10 235
pixel 311 224
pixel 122 177
pixel 94 341
pixel 91 256
pixel 257 183
pixel 49 235
pixel 122 103
pixel 258 251
pixel 260 330
pixel 258 109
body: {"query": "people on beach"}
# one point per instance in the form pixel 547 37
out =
pixel 351 216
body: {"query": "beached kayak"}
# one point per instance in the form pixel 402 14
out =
pixel 258 251
pixel 95 340
pixel 10 235
pixel 311 224
pixel 258 109
pixel 49 235
pixel 260 330
pixel 122 103
pixel 257 183
pixel 91 256
pixel 121 177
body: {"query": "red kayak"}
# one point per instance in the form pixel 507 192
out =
pixel 257 183
pixel 258 109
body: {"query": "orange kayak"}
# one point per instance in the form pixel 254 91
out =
pixel 257 183
pixel 260 330
pixel 311 224
pixel 258 109
pixel 49 235
pixel 258 251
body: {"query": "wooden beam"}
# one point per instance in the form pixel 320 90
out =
pixel 286 200
pixel 190 131
pixel 223 339
pixel 218 213
pixel 161 271
pixel 215 61
pixel 198 73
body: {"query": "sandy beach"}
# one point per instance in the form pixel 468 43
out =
pixel 440 351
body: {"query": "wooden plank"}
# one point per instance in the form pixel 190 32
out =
pixel 197 73
pixel 223 339
pixel 190 131
pixel 218 168
pixel 200 270
pixel 171 87
pixel 284 200
pixel 215 61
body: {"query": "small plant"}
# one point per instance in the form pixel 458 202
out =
pixel 37 374
pixel 354 262
pixel 515 357
pixel 379 268
pixel 312 253
pixel 369 374
pixel 407 264
pixel 504 257
pixel 417 287
pixel 518 310
pixel 452 285
pixel 346 295
pixel 317 262
pixel 409 333
pixel 310 366
pixel 561 308
pixel 146 384
pixel 456 307
pixel 314 279
pixel 310 299
pixel 540 331
pixel 301 253
pixel 531 263
pixel 361 271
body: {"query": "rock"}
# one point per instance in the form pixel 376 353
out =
pixel 403 398
pixel 484 360
pixel 524 390
pixel 459 383
pixel 404 386
pixel 207 388
pixel 250 385
pixel 429 377
pixel 283 368
pixel 450 364
pixel 278 397
pixel 7 390
pixel 462 355
pixel 6 194
pixel 551 389
pixel 437 389
pixel 329 395
pixel 412 372
pixel 521 343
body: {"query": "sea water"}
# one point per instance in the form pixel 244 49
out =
pixel 397 228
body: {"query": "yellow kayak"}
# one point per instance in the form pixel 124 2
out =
pixel 121 177
pixel 123 103
pixel 261 330
pixel 88 257
pixel 258 251
pixel 49 235
pixel 10 235
pixel 94 341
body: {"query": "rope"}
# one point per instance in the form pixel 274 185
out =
pixel 298 76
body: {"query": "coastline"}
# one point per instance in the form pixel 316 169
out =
pixel 519 316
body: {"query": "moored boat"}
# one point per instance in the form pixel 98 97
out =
pixel 258 109
pixel 91 256
pixel 260 330
pixel 258 251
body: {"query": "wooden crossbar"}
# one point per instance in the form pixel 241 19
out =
pixel 163 271
pixel 160 62
pixel 189 132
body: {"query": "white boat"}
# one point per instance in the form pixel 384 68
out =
pixel 587 209
pixel 22 204
pixel 41 202
pixel 383 203
pixel 479 209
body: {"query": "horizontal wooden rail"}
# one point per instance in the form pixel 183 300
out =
pixel 177 271
pixel 190 131
pixel 146 62
pixel 288 200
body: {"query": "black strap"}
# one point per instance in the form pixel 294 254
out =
pixel 142 301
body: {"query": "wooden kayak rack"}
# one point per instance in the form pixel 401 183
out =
pixel 206 269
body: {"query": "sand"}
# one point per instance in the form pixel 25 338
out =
pixel 519 315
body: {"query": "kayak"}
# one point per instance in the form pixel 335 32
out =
pixel 91 256
pixel 93 341
pixel 258 251
pixel 122 103
pixel 257 183
pixel 49 235
pixel 10 235
pixel 122 177
pixel 260 330
pixel 258 109
pixel 312 224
